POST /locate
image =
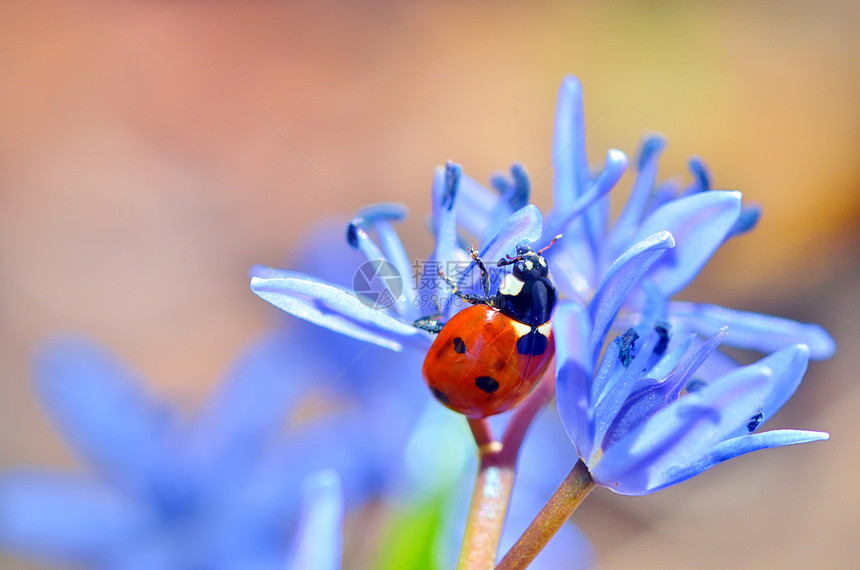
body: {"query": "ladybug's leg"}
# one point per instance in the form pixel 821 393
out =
pixel 485 275
pixel 468 297
pixel 429 324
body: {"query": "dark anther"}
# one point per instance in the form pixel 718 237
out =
pixel 627 344
pixel 352 234
pixel 662 329
pixel 755 421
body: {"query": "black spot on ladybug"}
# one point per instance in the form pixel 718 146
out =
pixel 755 421
pixel 440 395
pixel 459 345
pixel 534 343
pixel 487 383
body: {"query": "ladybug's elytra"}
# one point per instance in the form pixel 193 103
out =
pixel 490 356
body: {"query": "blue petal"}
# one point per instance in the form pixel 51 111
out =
pixel 516 191
pixel 318 543
pixel 560 220
pixel 624 380
pixel 102 408
pixel 572 175
pixel 664 193
pixel 379 217
pixel 680 434
pixel 478 207
pixel 652 396
pixel 519 193
pixel 701 176
pixel 572 264
pixel 699 224
pixel 753 331
pixel 571 327
pixel 663 367
pixel 619 280
pixel 747 221
pixel 732 448
pixel 607 371
pixel 523 226
pixel 630 218
pixel 446 189
pixel 334 308
pixel 65 518
pixel 568 145
pixel 787 367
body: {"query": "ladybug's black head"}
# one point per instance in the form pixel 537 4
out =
pixel 527 294
pixel 529 265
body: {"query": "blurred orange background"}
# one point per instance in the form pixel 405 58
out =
pixel 151 152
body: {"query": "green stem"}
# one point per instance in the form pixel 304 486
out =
pixel 552 516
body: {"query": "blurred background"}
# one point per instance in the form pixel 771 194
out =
pixel 151 152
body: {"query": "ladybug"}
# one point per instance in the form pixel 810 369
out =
pixel 488 357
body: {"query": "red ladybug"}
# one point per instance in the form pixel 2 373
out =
pixel 490 356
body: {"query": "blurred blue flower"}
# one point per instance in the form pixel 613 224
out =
pixel 319 540
pixel 216 490
pixel 640 420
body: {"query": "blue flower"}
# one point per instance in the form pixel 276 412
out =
pixel 698 218
pixel 641 421
pixel 391 324
pixel 658 244
pixel 216 490
pixel 319 539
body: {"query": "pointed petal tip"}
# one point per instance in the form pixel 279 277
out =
pixel 393 211
pixel 650 149
pixel 735 197
pixel 616 160
pixel 821 345
pixel 802 351
pixel 452 167
pixel 699 168
pixel 572 83
pixel 665 237
pixel 261 272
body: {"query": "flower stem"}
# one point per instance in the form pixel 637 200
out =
pixel 486 515
pixel 495 480
pixel 552 516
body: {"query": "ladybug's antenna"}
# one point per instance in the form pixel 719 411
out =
pixel 546 247
pixel 502 262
